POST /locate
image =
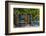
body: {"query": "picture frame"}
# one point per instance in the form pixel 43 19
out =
pixel 13 8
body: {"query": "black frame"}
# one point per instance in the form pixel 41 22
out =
pixel 6 17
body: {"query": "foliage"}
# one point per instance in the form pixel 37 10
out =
pixel 31 11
